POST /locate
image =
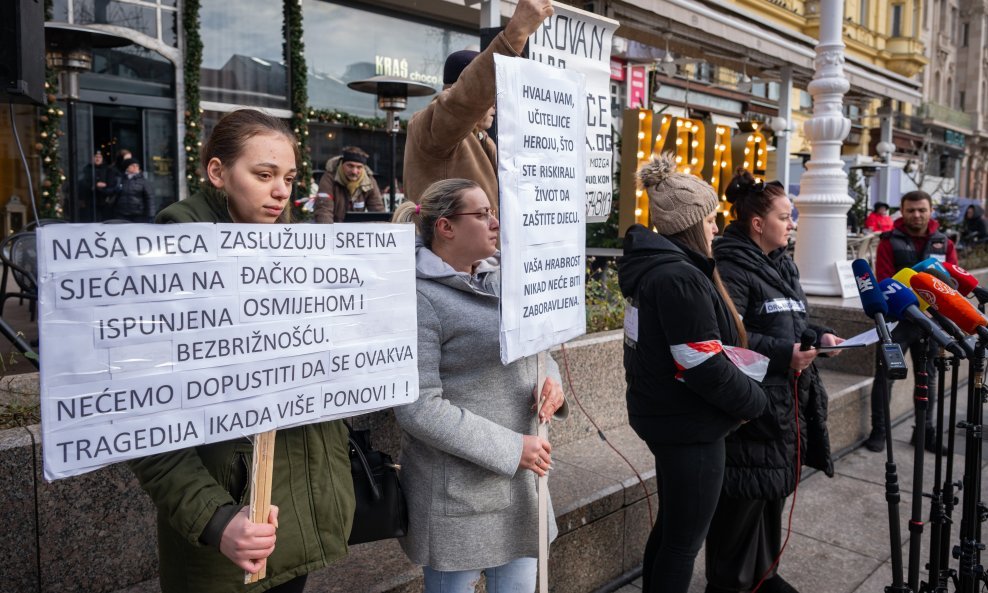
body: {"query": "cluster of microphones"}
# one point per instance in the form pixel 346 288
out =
pixel 932 296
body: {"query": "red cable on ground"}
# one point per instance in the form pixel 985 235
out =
pixel 799 471
pixel 600 433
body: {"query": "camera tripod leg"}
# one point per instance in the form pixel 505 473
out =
pixel 938 518
pixel 921 402
pixel 968 552
pixel 892 494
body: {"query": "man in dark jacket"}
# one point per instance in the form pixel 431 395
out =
pixel 348 187
pixel 92 188
pixel 134 196
pixel 913 238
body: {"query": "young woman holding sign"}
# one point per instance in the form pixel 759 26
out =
pixel 469 464
pixel 205 539
pixel 685 393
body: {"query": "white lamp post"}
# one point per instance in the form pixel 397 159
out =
pixel 885 150
pixel 823 201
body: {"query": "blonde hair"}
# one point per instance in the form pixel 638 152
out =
pixel 440 199
pixel 694 238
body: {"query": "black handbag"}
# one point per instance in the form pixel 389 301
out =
pixel 381 512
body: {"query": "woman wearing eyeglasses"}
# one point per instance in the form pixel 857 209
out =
pixel 745 536
pixel 469 462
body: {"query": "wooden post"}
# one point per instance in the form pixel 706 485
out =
pixel 543 485
pixel 260 492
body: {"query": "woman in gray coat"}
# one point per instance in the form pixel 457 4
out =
pixel 469 462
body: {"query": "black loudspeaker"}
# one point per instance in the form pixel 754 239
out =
pixel 22 51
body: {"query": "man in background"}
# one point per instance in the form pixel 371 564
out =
pixel 913 238
pixel 347 186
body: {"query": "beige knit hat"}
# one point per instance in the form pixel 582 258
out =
pixel 676 201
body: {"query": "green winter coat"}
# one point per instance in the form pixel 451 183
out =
pixel 197 490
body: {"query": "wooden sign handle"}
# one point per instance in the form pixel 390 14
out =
pixel 260 492
pixel 543 485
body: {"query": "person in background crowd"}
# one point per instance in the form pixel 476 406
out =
pixel 684 394
pixel 205 539
pixel 913 238
pixel 349 187
pixel 467 451
pixel 762 468
pixel 974 230
pixel 134 200
pixel 878 220
pixel 448 139
pixel 92 188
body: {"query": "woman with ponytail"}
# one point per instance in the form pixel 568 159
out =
pixel 745 539
pixel 684 392
pixel 469 462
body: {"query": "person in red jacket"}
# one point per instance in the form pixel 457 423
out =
pixel 879 220
pixel 913 238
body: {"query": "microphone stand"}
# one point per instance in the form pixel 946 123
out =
pixel 921 400
pixel 950 487
pixel 938 517
pixel 891 363
pixel 969 551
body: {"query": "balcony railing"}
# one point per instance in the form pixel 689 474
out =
pixel 946 115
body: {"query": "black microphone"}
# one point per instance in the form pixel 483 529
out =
pixel 807 340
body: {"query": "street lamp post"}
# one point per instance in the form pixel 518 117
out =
pixel 823 201
pixel 392 97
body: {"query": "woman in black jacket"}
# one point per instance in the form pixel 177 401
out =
pixel 745 535
pixel 684 393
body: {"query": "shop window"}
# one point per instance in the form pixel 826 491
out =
pixel 242 56
pixel 155 18
pixel 338 50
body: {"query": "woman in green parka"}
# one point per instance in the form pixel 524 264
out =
pixel 205 539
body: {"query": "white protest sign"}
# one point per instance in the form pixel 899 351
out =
pixel 574 39
pixel 156 338
pixel 541 174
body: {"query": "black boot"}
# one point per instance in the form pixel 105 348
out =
pixel 931 441
pixel 875 441
pixel 777 584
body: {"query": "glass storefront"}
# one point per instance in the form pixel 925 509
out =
pixel 243 56
pixel 338 50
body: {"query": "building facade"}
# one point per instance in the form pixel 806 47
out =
pixel 190 61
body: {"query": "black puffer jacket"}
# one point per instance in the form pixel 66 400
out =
pixel 767 294
pixel 677 304
pixel 134 196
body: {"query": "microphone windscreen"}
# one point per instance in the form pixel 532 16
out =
pixel 948 302
pixel 872 300
pixel 965 281
pixel 898 297
pixel 933 263
pixel 903 276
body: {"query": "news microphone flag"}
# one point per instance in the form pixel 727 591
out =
pixel 949 302
pixel 872 300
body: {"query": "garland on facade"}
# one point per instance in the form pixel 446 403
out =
pixel 50 130
pixel 342 118
pixel 193 112
pixel 298 88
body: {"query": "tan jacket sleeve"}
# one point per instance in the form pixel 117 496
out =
pixel 455 113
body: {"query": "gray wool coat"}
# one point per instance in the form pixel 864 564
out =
pixel 469 505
